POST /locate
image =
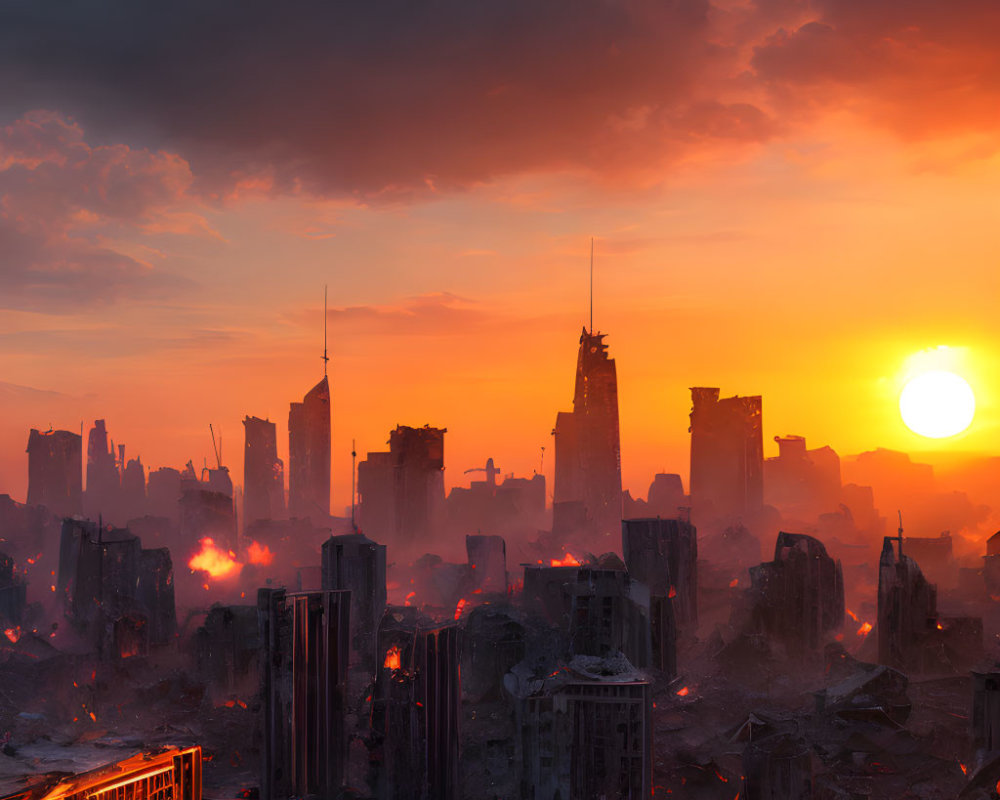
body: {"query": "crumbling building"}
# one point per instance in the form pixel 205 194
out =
pixel 356 563
pixel 263 472
pixel 487 563
pixel 587 443
pixel 416 709
pixel 798 597
pixel 305 642
pixel 103 475
pixel 55 471
pixel 309 454
pixel 727 454
pixel 663 554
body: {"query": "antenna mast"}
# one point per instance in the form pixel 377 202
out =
pixel 591 285
pixel 218 454
pixel 354 470
pixel 325 357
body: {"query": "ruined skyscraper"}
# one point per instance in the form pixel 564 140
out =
pixel 402 491
pixel 304 641
pixel 799 596
pixel 103 475
pixel 356 563
pixel 588 452
pixel 416 709
pixel 263 472
pixel 663 554
pixel 727 454
pixel 309 454
pixel 55 471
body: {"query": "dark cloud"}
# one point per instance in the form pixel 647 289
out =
pixel 382 98
pixel 58 195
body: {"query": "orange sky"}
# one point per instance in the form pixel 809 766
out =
pixel 784 221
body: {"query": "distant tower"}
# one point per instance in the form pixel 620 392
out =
pixel 309 454
pixel 263 472
pixel 727 454
pixel 588 449
pixel 103 477
pixel 55 460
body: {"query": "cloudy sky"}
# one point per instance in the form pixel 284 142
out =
pixel 796 199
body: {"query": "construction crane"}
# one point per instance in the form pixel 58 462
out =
pixel 490 470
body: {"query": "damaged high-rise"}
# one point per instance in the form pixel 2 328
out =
pixel 402 492
pixel 727 454
pixel 356 563
pixel 663 554
pixel 798 598
pixel 116 593
pixel 588 450
pixel 309 454
pixel 305 644
pixel 55 477
pixel 103 475
pixel 487 563
pixel 416 709
pixel 263 472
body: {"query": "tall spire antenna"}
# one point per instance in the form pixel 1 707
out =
pixel 354 471
pixel 325 357
pixel 592 285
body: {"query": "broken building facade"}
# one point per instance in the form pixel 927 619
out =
pixel 55 471
pixel 727 454
pixel 305 643
pixel 663 554
pixel 357 564
pixel 587 444
pixel 263 472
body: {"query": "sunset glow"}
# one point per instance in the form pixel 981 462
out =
pixel 937 404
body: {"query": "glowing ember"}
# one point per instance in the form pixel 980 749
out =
pixel 965 769
pixel 683 692
pixel 393 658
pixel 734 583
pixel 865 629
pixel 409 598
pixel 260 554
pixel 567 561
pixel 851 614
pixel 672 592
pixel 940 627
pixel 459 607
pixel 217 563
pixel 13 634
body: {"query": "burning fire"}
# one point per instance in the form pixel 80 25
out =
pixel 672 592
pixel 567 561
pixel 459 607
pixel 683 692
pixel 851 614
pixel 734 583
pixel 217 563
pixel 865 629
pixel 13 634
pixel 393 658
pixel 260 554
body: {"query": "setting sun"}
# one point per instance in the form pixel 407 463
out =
pixel 937 404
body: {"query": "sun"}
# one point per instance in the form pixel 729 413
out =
pixel 937 404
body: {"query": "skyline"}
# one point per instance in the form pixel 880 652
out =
pixel 788 199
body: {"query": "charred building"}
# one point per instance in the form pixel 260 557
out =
pixel 115 592
pixel 798 598
pixel 305 643
pixel 487 563
pixel 584 731
pixel 588 449
pixel 416 710
pixel 663 554
pixel 263 472
pixel 13 593
pixel 402 491
pixel 55 471
pixel 206 507
pixel 228 650
pixel 601 611
pixel 103 475
pixel 727 454
pixel 309 454
pixel 356 563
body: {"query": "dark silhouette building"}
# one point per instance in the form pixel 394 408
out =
pixel 402 491
pixel 663 554
pixel 263 472
pixel 416 709
pixel 55 471
pixel 305 642
pixel 103 475
pixel 356 563
pixel 802 483
pixel 309 454
pixel 727 454
pixel 588 451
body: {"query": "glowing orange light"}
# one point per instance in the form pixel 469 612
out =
pixel 734 583
pixel 865 629
pixel 683 692
pixel 567 561
pixel 13 634
pixel 965 769
pixel 93 716
pixel 459 607
pixel 260 554
pixel 940 627
pixel 393 658
pixel 408 598
pixel 672 592
pixel 851 614
pixel 217 563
